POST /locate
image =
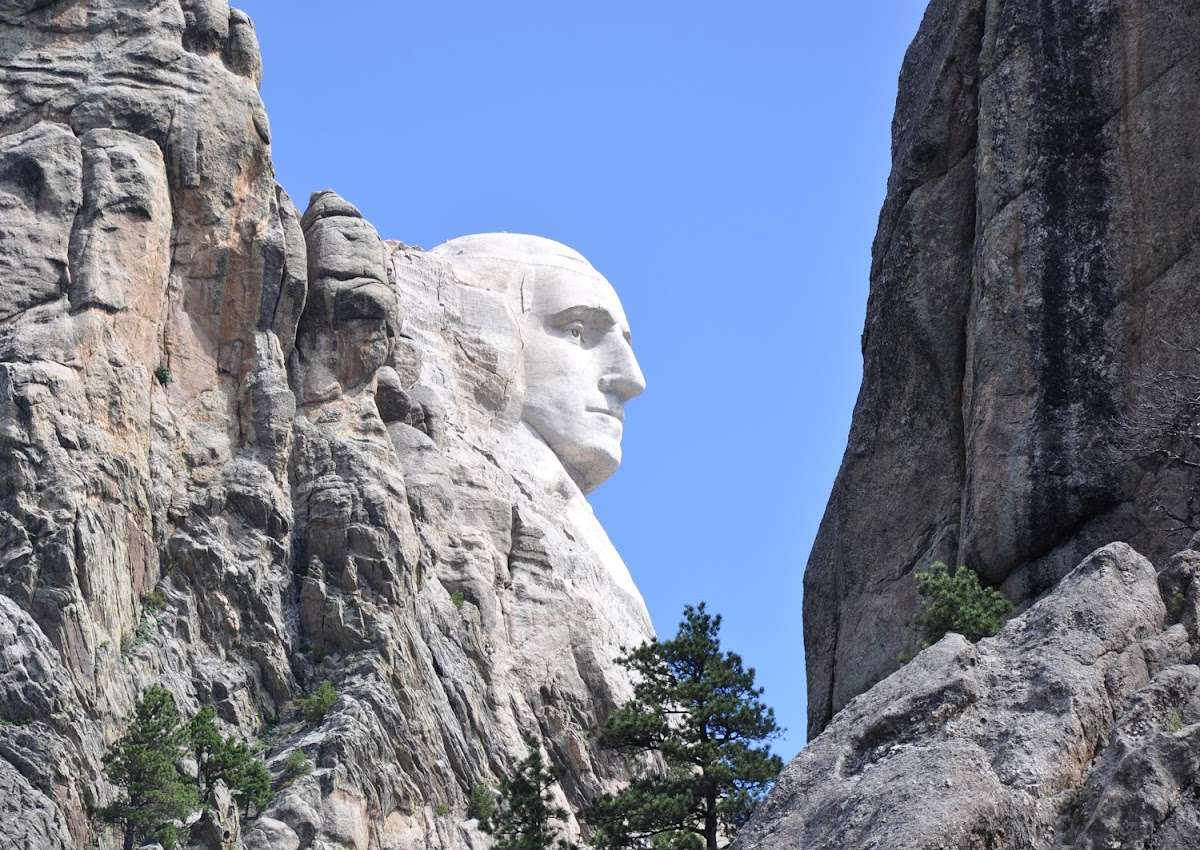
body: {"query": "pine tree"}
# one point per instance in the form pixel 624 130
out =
pixel 525 808
pixel 229 761
pixel 254 786
pixel 697 708
pixel 206 743
pixel 154 792
pixel 955 601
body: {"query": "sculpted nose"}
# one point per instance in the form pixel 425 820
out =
pixel 625 380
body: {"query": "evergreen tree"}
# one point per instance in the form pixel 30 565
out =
pixel 955 601
pixel 522 815
pixel 154 792
pixel 697 708
pixel 207 744
pixel 229 761
pixel 254 785
pixel 481 804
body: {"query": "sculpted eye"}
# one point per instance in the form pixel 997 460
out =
pixel 575 331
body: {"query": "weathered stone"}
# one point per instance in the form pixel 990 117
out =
pixel 219 828
pixel 243 452
pixel 270 834
pixel 1056 733
pixel 1031 277
pixel 145 413
pixel 456 585
pixel 40 181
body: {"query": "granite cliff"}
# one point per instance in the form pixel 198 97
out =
pixel 1077 727
pixel 244 451
pixel 1028 409
pixel 1033 279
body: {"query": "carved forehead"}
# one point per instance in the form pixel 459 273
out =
pixel 537 273
pixel 482 251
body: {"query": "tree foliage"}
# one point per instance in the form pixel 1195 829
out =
pixel 227 760
pixel 954 601
pixel 521 816
pixel 143 763
pixel 698 709
pixel 481 804
pixel 207 745
pixel 317 704
pixel 255 786
pixel 296 764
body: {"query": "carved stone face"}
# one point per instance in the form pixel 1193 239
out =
pixel 579 369
pixel 577 362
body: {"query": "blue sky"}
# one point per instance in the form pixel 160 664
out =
pixel 723 164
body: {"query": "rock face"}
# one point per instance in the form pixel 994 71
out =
pixel 1032 279
pixel 244 451
pixel 1076 728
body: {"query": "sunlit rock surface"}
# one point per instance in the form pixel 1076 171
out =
pixel 244 451
pixel 1076 728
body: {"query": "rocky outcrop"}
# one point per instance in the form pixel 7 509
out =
pixel 1077 726
pixel 141 232
pixel 243 452
pixel 1031 282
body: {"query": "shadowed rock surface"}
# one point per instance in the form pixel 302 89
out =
pixel 244 451
pixel 1075 728
pixel 1032 275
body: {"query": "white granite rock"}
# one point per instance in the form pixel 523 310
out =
pixel 243 452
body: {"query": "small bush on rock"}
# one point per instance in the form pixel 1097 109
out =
pixel 1174 720
pixel 317 704
pixel 955 601
pixel 296 765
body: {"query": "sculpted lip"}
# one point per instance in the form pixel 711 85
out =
pixel 617 416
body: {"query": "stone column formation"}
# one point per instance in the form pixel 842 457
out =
pixel 243 451
pixel 1033 275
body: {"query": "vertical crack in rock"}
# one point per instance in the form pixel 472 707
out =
pixel 1009 331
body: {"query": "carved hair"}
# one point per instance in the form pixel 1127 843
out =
pixel 504 263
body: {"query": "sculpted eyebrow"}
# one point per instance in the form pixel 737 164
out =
pixel 593 315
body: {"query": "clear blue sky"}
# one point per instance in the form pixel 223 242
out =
pixel 723 164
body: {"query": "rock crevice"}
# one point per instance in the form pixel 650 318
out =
pixel 1009 331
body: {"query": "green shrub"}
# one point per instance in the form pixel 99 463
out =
pixel 1175 720
pixel 481 805
pixel 296 765
pixel 163 375
pixel 141 634
pixel 441 810
pixel 458 598
pixel 317 704
pixel 954 601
